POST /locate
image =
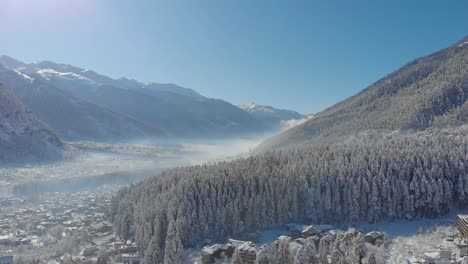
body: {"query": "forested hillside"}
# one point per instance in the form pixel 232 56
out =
pixel 430 91
pixel 362 179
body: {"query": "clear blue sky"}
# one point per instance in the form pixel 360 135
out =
pixel 300 55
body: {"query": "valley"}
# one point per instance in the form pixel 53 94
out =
pixel 233 132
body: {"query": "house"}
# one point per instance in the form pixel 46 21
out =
pixel 314 230
pixel 247 252
pixel 462 224
pixel 373 237
pixel 462 247
pixel 210 252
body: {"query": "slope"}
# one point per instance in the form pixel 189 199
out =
pixel 22 136
pixel 430 91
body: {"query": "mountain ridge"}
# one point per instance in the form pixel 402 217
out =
pixel 72 118
pixel 428 91
pixel 178 111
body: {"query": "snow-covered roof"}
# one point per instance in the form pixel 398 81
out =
pixel 248 247
pixel 374 234
pixel 210 250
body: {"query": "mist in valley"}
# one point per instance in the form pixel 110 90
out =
pixel 95 164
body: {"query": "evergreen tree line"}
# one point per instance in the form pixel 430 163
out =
pixel 371 180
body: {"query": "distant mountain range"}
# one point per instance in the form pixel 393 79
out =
pixel 269 112
pixel 428 92
pixel 22 135
pixel 82 104
pixel 71 117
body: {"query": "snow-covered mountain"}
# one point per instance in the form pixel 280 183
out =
pixel 10 62
pixel 431 91
pixel 271 112
pixel 22 136
pixel 179 111
pixel 97 107
pixel 71 117
pixel 71 77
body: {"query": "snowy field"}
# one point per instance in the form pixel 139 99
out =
pixel 430 240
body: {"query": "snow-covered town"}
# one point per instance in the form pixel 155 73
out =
pixel 61 228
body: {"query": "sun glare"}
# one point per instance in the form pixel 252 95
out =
pixel 17 12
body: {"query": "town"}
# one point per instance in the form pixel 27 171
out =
pixel 61 228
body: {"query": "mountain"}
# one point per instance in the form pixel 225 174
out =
pixel 180 115
pixel 71 77
pixel 428 92
pixel 10 62
pixel 22 136
pixel 179 111
pixel 269 112
pixel 71 117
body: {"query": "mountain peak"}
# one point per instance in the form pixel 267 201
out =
pixel 250 105
pixel 266 110
pixel 10 62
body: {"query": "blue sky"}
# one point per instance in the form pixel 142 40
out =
pixel 300 55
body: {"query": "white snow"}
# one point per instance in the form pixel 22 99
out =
pixel 50 73
pixel 23 75
pixel 463 44
pixel 257 108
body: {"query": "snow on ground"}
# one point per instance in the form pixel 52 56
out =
pixel 401 247
pixel 409 228
pixel 268 236
pixel 463 44
pixel 407 238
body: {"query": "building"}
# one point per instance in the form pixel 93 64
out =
pixel 462 224
pixel 373 237
pixel 248 252
pixel 210 253
pixel 462 241
pixel 314 230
